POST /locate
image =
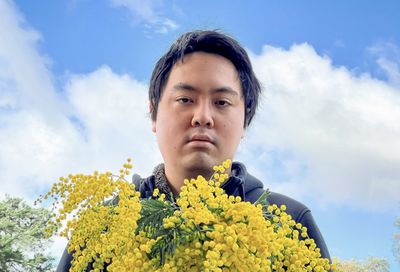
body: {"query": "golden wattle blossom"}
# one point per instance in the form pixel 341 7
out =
pixel 204 229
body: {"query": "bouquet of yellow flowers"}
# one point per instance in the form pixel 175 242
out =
pixel 109 227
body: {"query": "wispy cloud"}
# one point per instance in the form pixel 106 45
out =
pixel 325 132
pixel 387 55
pixel 148 13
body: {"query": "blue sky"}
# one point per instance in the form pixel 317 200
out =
pixel 74 74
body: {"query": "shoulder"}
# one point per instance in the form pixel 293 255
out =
pixel 297 210
pixel 254 189
pixel 293 207
pixel 301 214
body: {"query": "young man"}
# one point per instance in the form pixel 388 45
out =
pixel 203 94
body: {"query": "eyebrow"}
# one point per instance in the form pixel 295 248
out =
pixel 188 87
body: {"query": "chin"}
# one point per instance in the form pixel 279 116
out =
pixel 200 165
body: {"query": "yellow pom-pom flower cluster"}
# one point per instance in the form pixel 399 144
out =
pixel 203 230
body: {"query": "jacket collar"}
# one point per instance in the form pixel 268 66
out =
pixel 233 186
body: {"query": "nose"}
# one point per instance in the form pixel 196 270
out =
pixel 203 116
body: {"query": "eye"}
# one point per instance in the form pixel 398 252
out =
pixel 222 103
pixel 184 100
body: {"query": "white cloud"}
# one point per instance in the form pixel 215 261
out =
pixel 324 132
pixel 101 122
pixel 112 111
pixel 148 13
pixel 31 113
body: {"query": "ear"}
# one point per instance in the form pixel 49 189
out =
pixel 243 130
pixel 153 123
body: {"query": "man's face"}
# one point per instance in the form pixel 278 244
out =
pixel 200 117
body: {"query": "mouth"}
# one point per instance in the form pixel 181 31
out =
pixel 201 140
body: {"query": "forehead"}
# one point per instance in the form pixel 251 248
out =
pixel 204 58
pixel 205 70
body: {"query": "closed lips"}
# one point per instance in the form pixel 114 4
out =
pixel 202 138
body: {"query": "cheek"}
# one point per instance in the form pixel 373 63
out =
pixel 232 133
pixel 168 130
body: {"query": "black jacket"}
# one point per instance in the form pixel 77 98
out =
pixel 249 188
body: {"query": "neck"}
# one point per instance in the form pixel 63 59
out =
pixel 176 176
